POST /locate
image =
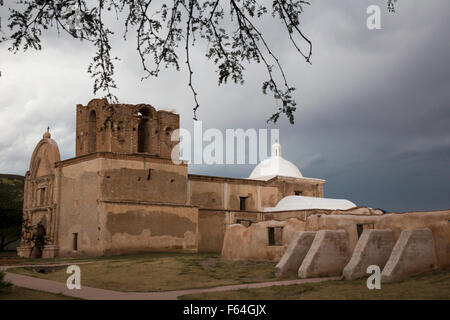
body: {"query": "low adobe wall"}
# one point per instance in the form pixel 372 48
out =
pixel 304 214
pixel 252 243
pixel 212 225
pixel 242 243
pixel 436 221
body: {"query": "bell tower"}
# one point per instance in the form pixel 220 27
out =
pixel 125 128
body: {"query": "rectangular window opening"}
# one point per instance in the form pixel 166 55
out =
pixel 275 236
pixel 298 193
pixel 75 242
pixel 242 203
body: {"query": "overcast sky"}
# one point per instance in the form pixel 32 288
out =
pixel 373 115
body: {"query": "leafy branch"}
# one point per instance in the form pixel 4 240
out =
pixel 227 27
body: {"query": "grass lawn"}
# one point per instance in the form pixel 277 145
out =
pixel 18 293
pixel 434 285
pixel 162 272
pixel 11 258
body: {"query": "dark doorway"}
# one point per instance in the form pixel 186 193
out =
pixel 298 193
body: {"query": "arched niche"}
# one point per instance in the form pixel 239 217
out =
pixel 92 132
pixel 144 130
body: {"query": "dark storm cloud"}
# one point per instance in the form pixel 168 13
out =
pixel 373 108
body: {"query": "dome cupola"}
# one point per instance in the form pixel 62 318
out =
pixel 274 166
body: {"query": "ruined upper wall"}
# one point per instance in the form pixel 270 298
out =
pixel 124 128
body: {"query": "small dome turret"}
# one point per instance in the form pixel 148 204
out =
pixel 47 134
pixel 274 166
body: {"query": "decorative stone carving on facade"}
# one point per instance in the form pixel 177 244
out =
pixel 39 204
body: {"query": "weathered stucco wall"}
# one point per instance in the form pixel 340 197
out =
pixel 212 225
pixel 290 186
pixel 436 221
pixel 211 230
pixel 235 191
pixel 206 194
pixel 239 244
pixel 95 191
pixel 251 243
pixel 78 211
pixel 143 179
pixel 149 227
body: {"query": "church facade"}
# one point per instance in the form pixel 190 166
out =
pixel 122 192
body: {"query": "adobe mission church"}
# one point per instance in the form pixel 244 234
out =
pixel 122 192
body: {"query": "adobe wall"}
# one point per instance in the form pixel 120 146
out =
pixel 241 243
pixel 211 230
pixel 212 225
pixel 236 245
pixel 209 192
pixel 235 191
pixel 78 209
pixel 88 182
pixel 304 214
pixel 206 194
pixel 436 221
pixel 143 181
pixel 148 227
pixel 288 186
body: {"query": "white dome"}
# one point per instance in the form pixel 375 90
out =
pixel 274 166
pixel 302 203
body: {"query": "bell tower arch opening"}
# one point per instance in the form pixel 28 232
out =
pixel 92 132
pixel 144 130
